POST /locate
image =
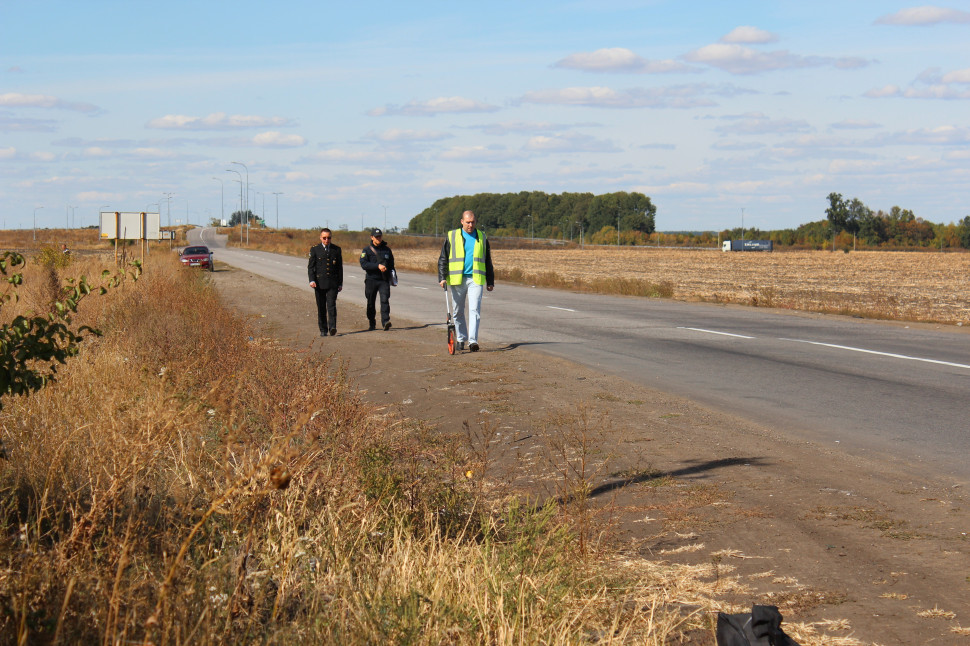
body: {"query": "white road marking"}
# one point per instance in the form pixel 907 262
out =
pixel 883 354
pixel 416 287
pixel 564 309
pixel 697 329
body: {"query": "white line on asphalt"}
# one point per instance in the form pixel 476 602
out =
pixel 883 354
pixel 564 309
pixel 416 287
pixel 697 329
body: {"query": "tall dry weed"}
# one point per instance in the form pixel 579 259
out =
pixel 185 481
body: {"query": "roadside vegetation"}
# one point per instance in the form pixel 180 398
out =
pixel 181 481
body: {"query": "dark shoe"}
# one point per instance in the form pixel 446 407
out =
pixel 387 326
pixel 460 346
pixel 473 347
pixel 372 327
pixel 333 331
pixel 324 333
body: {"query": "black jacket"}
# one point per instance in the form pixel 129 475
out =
pixel 446 253
pixel 326 267
pixel 372 256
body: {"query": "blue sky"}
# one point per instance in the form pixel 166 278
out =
pixel 347 108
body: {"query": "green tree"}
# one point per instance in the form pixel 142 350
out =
pixel 837 213
pixel 963 231
pixel 242 216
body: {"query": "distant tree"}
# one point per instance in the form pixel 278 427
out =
pixel 241 217
pixel 963 231
pixel 837 213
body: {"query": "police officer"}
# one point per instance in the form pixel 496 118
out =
pixel 326 271
pixel 377 261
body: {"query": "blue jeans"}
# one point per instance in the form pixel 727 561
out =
pixel 474 292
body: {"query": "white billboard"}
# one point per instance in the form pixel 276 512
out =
pixel 124 225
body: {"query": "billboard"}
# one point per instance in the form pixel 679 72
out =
pixel 123 225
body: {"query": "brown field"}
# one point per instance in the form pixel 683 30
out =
pixel 911 286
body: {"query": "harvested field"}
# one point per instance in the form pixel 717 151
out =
pixel 926 286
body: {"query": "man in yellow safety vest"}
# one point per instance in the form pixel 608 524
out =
pixel 465 264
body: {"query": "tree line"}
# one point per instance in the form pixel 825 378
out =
pixel 849 223
pixel 566 215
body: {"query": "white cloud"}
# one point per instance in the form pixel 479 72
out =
pixel 100 197
pixel 571 143
pixel 275 139
pixel 16 100
pixel 215 121
pixel 43 156
pixel 490 154
pixel 957 76
pixel 941 135
pixel 927 15
pixel 854 124
pixel 679 96
pixel 749 35
pixel 760 124
pixel 153 153
pixel 620 59
pixel 339 156
pixel 398 135
pixel 8 153
pixel 736 59
pixel 440 105
pixel 883 92
pixel 96 151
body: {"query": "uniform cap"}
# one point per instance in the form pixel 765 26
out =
pixel 376 232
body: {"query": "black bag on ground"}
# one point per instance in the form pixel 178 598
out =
pixel 760 627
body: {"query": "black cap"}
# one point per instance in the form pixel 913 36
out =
pixel 376 233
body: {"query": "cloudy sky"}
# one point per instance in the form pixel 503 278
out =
pixel 353 111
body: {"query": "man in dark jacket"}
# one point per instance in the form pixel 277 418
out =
pixel 377 261
pixel 326 272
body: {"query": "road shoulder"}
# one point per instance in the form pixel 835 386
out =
pixel 824 535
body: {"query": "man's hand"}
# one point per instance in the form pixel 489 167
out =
pixel 490 287
pixel 340 289
pixel 313 284
pixel 443 283
pixel 382 268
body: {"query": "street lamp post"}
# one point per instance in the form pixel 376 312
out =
pixel 35 222
pixel 222 186
pixel 241 208
pixel 385 217
pixel 532 233
pixel 168 206
pixel 277 208
pixel 617 229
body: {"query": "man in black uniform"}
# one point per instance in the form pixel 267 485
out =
pixel 326 271
pixel 377 261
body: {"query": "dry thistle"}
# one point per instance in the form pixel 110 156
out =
pixel 279 477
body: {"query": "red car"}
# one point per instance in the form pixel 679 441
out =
pixel 197 256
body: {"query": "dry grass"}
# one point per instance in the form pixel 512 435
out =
pixel 873 284
pixel 184 482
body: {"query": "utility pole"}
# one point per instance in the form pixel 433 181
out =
pixel 277 208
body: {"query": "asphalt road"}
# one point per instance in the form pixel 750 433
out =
pixel 881 389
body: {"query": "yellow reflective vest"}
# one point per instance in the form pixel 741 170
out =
pixel 456 260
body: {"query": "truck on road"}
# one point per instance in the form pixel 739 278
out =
pixel 747 245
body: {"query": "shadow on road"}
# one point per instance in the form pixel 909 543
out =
pixel 696 467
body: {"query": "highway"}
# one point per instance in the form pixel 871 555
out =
pixel 887 390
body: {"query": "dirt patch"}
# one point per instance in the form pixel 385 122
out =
pixel 858 550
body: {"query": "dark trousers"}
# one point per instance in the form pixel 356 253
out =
pixel 371 289
pixel 326 308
